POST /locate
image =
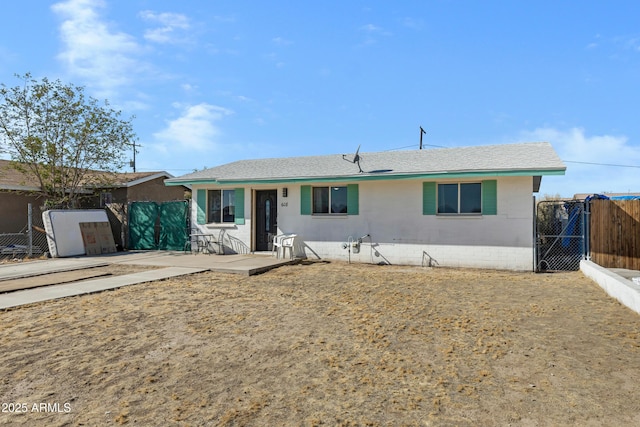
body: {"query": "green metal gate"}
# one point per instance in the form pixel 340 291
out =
pixel 163 226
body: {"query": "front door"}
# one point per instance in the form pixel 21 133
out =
pixel 266 218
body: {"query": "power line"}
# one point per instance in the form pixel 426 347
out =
pixel 412 146
pixel 441 146
pixel 400 148
pixel 602 164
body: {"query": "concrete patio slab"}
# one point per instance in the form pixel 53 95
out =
pixel 173 263
pixel 236 264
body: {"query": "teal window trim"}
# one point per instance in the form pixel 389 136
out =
pixel 305 200
pixel 201 206
pixel 456 200
pixel 429 202
pixel 239 200
pixel 353 205
pixel 490 197
pixel 323 201
pixel 221 206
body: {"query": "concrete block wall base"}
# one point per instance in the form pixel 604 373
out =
pixel 624 290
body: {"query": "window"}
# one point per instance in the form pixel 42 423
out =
pixel 105 199
pixel 460 198
pixel 330 200
pixel 221 206
pixel 479 198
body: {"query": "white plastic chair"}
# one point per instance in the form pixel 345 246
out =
pixel 281 243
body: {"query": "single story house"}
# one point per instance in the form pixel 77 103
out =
pixel 459 207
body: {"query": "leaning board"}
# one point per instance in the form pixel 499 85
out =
pixel 97 238
pixel 63 229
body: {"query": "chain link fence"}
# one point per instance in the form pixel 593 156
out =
pixel 29 242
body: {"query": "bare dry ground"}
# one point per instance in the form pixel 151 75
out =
pixel 327 344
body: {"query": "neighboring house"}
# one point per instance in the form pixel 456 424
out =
pixel 141 187
pixel 135 187
pixel 462 207
pixel 18 190
pixel 16 193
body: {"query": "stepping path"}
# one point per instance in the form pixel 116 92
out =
pixel 28 296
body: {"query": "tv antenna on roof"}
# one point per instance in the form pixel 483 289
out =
pixel 356 159
pixel 422 132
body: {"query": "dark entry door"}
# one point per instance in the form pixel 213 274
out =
pixel 266 218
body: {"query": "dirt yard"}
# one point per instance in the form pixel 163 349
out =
pixel 327 344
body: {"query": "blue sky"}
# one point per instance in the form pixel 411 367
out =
pixel 216 81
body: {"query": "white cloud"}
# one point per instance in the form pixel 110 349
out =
pixel 596 43
pixel 629 42
pixel 374 29
pixel 189 88
pixel 573 144
pixel 414 24
pixel 371 32
pixel 371 28
pixel 595 163
pixel 103 57
pixel 280 41
pixel 273 58
pixel 171 26
pixel 195 129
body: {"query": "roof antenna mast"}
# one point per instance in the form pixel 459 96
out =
pixel 422 132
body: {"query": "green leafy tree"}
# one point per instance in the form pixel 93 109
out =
pixel 60 138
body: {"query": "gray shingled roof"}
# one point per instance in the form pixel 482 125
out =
pixel 536 158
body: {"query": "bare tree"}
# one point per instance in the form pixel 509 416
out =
pixel 58 137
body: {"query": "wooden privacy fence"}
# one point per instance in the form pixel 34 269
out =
pixel 615 233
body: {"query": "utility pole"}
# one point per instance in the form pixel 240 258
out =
pixel 133 162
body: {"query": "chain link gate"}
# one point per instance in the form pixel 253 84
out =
pixel 561 235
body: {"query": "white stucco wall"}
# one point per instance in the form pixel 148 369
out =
pixel 390 212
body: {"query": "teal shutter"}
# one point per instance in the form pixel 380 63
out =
pixel 428 198
pixel 305 200
pixel 239 200
pixel 490 197
pixel 352 199
pixel 201 206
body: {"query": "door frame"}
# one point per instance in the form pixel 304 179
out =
pixel 254 215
